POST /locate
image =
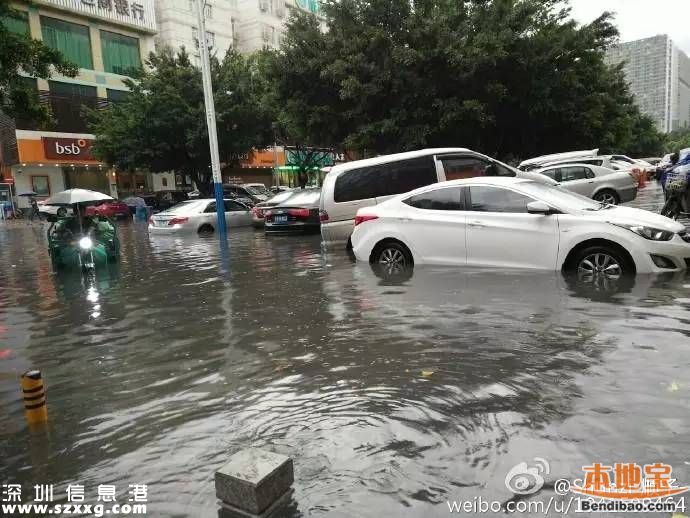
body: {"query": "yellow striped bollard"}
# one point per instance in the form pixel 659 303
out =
pixel 35 408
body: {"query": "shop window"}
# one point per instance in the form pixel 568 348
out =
pixel 71 39
pixel 40 185
pixel 17 22
pixel 164 182
pixel 120 53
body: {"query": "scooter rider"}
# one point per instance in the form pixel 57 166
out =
pixel 666 170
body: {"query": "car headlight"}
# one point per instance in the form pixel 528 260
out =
pixel 85 243
pixel 653 234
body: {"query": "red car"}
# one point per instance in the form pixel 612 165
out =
pixel 112 209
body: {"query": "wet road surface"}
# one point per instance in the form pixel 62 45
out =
pixel 391 397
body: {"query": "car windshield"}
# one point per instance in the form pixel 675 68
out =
pixel 186 207
pixel 560 198
pixel 253 190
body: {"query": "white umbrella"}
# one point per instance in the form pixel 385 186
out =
pixel 73 196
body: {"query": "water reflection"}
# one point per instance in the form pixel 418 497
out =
pixel 391 395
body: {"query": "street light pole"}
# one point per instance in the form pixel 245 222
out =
pixel 211 121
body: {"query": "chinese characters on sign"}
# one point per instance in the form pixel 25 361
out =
pixel 135 10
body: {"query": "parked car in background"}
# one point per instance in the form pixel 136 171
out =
pixel 517 223
pixel 167 199
pixel 598 183
pixel 109 208
pixel 540 161
pixel 353 185
pixel 298 213
pixel 58 211
pixel 280 188
pixel 590 157
pixel 198 216
pixel 259 209
pixel 258 188
pixel 654 161
pixel 243 194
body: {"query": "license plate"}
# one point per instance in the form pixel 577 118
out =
pixel 280 218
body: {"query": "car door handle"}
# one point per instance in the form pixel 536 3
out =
pixel 477 224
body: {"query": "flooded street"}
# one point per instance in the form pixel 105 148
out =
pixel 391 397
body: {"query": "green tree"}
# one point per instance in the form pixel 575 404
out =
pixel 512 78
pixel 161 125
pixel 20 53
pixel 677 140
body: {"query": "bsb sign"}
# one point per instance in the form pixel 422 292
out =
pixel 67 148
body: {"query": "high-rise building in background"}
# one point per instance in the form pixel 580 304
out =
pixel 245 25
pixel 659 76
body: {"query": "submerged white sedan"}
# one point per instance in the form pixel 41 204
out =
pixel 517 223
pixel 198 216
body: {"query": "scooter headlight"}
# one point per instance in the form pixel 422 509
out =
pixel 85 243
pixel 653 234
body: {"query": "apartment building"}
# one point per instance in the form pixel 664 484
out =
pixel 659 76
pixel 106 39
pixel 178 25
pixel 246 25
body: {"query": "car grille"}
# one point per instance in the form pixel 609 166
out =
pixel 684 236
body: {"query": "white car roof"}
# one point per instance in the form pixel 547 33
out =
pixel 384 159
pixel 591 153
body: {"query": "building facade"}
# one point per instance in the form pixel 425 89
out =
pixel 106 39
pixel 659 76
pixel 245 25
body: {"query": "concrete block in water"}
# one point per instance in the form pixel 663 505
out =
pixel 254 479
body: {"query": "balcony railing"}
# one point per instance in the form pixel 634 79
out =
pixel 67 111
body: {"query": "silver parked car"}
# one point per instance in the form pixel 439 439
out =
pixel 599 183
pixel 198 216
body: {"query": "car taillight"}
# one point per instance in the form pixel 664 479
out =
pixel 362 219
pixel 323 216
pixel 177 221
pixel 151 221
pixel 299 213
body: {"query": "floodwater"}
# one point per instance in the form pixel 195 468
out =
pixel 392 397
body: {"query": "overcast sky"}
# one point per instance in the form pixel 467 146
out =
pixel 641 18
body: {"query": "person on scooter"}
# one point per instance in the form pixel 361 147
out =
pixel 664 173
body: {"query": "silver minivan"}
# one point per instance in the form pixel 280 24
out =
pixel 350 186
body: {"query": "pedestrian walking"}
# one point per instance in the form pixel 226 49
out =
pixel 33 212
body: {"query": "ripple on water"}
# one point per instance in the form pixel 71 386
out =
pixel 390 397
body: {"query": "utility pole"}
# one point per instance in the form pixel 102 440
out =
pixel 211 121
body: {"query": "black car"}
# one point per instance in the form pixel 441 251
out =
pixel 243 194
pixel 299 213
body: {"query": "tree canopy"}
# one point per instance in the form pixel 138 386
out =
pixel 21 53
pixel 511 78
pixel 161 124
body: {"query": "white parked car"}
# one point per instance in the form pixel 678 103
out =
pixel 591 157
pixel 517 223
pixel 198 216
pixel 352 185
pixel 598 183
pixel 59 211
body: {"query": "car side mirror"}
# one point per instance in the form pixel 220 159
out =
pixel 538 207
